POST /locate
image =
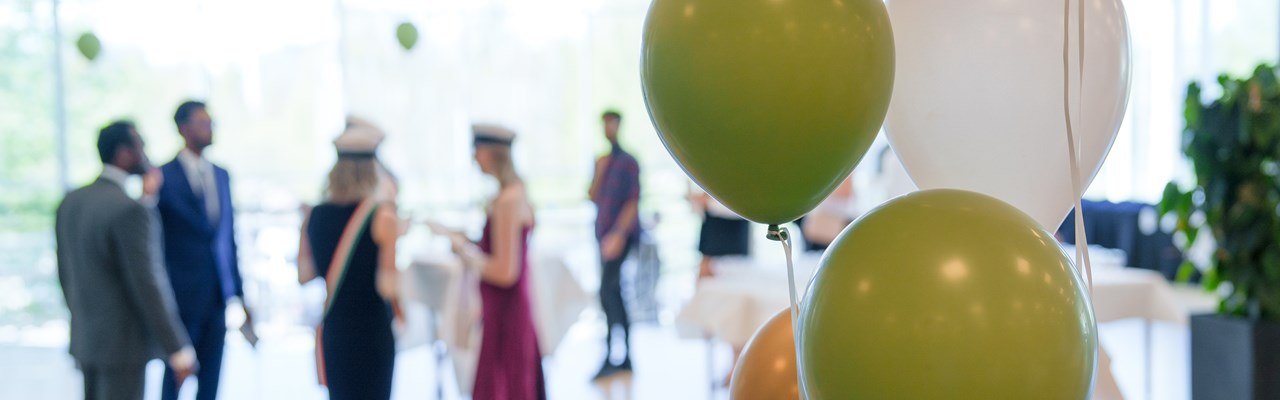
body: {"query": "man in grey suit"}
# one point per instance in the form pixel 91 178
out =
pixel 122 308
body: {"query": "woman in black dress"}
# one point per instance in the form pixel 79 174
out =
pixel 723 232
pixel 350 241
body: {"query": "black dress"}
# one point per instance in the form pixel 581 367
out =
pixel 722 236
pixel 359 347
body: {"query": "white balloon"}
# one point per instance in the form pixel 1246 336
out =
pixel 978 103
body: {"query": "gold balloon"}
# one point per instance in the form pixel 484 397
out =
pixel 767 368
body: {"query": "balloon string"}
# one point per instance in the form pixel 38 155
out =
pixel 1080 82
pixel 1080 231
pixel 1082 244
pixel 780 234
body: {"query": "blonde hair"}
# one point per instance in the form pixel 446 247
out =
pixel 351 180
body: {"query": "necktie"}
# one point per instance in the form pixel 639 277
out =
pixel 209 190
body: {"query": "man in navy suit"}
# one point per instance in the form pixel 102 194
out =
pixel 199 247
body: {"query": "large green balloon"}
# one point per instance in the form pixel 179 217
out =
pixel 407 35
pixel 947 294
pixel 767 104
pixel 89 46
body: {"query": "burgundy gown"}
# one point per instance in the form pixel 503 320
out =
pixel 510 364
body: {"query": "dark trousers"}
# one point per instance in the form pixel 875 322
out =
pixel 208 336
pixel 114 383
pixel 615 310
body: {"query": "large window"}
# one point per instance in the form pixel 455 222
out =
pixel 545 69
pixel 279 86
pixel 1175 43
pixel 280 75
pixel 29 174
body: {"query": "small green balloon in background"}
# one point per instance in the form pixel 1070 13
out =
pixel 767 105
pixel 407 34
pixel 947 294
pixel 89 46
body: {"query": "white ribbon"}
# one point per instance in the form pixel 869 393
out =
pixel 780 234
pixel 1105 386
pixel 1073 155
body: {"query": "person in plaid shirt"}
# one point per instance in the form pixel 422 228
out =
pixel 615 190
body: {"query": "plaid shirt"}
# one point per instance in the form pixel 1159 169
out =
pixel 619 184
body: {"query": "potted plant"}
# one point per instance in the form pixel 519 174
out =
pixel 1233 143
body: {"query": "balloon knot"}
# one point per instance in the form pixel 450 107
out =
pixel 777 233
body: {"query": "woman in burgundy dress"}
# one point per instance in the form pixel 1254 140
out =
pixel 510 364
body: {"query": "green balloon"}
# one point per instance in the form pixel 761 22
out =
pixel 947 294
pixel 407 34
pixel 89 46
pixel 767 105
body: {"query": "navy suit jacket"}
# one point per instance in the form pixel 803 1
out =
pixel 200 255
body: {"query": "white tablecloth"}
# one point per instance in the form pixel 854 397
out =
pixel 745 294
pixel 1122 293
pixel 740 298
pixel 452 294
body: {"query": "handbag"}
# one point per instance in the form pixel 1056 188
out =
pixel 356 227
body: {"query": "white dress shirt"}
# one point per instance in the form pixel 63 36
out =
pixel 199 173
pixel 115 175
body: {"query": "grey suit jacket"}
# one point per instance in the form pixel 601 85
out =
pixel 122 308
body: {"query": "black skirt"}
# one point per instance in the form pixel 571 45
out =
pixel 724 236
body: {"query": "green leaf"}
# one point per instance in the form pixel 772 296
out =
pixel 1211 280
pixel 1222 308
pixel 1167 201
pixel 1186 202
pixel 1265 75
pixel 1185 272
pixel 1271 264
pixel 1193 107
pixel 1245 123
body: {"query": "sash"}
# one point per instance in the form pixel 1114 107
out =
pixel 356 227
